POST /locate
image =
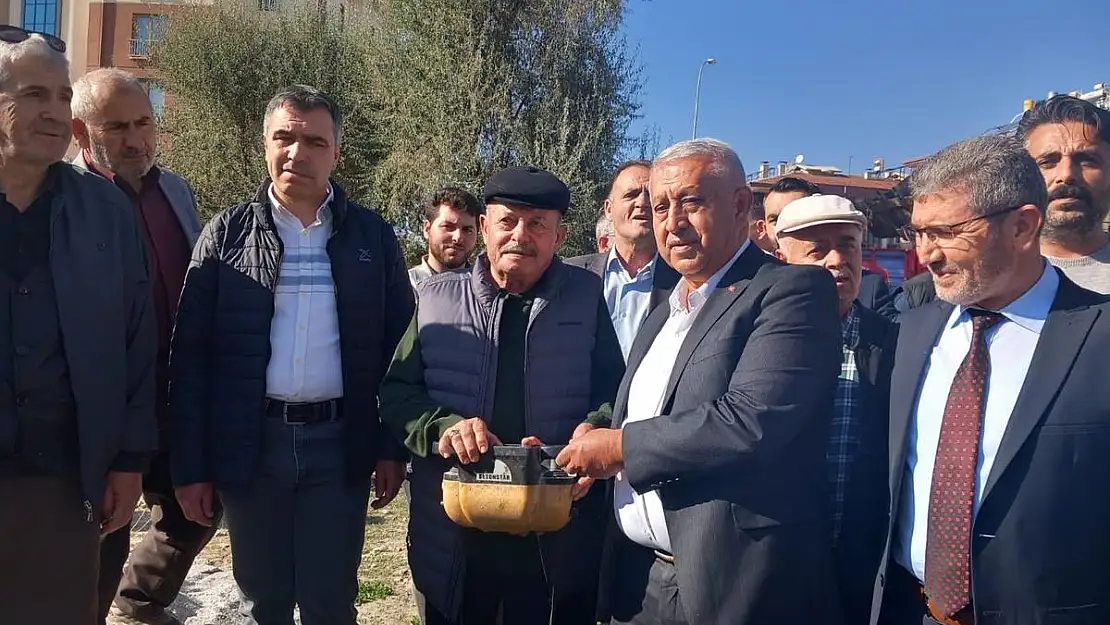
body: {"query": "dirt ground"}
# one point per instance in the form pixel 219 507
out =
pixel 385 588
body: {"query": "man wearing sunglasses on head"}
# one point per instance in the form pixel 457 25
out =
pixel 77 348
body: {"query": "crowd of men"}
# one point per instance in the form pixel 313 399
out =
pixel 761 434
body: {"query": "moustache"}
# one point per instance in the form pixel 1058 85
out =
pixel 1070 192
pixel 523 250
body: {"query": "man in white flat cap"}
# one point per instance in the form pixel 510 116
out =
pixel 827 230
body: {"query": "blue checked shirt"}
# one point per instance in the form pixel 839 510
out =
pixel 844 428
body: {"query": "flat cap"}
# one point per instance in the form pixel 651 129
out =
pixel 531 187
pixel 818 210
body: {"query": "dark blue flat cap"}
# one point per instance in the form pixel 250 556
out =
pixel 530 187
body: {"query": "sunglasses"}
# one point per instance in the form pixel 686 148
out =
pixel 15 34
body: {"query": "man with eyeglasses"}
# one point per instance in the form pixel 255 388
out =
pixel 998 429
pixel 1069 138
pixel 77 348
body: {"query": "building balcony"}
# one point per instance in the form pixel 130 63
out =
pixel 141 48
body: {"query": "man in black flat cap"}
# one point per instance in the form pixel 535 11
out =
pixel 519 349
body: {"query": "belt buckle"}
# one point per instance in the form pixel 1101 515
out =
pixel 285 415
pixel 664 556
pixel 935 614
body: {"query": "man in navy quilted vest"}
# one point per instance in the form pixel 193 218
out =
pixel 517 350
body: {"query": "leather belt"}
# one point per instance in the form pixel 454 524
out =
pixel 663 556
pixel 965 616
pixel 307 413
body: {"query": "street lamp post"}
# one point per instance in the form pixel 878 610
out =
pixel 697 94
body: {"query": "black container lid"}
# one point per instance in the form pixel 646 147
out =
pixel 515 465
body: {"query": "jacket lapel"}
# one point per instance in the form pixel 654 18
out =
pixel 914 349
pixel 730 288
pixel 181 201
pixel 1065 330
pixel 640 346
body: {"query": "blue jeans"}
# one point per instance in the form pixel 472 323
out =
pixel 297 532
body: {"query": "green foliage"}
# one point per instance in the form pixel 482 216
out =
pixel 222 63
pixel 434 92
pixel 372 591
pixel 477 85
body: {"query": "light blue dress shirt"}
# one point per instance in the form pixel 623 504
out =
pixel 628 298
pixel 1011 345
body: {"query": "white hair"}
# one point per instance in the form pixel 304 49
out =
pixel 724 158
pixel 100 81
pixel 33 46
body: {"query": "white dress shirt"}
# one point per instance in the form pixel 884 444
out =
pixel 305 363
pixel 628 298
pixel 640 516
pixel 1011 345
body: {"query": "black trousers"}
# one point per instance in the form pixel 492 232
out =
pixel 160 562
pixel 902 601
pixel 493 597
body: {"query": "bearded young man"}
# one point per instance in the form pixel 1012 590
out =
pixel 451 229
pixel 1069 139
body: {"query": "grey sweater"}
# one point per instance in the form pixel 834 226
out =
pixel 1090 272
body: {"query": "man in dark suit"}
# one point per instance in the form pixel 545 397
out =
pixel 634 280
pixel 912 293
pixel 827 231
pixel 721 422
pixel 873 289
pixel 999 429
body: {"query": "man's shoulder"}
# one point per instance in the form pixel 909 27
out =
pixel 874 328
pixel 173 177
pixel 585 260
pixel 238 217
pixel 443 279
pixel 367 218
pixel 774 273
pixel 78 182
pixel 581 276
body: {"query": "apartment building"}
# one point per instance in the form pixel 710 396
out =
pixel 99 34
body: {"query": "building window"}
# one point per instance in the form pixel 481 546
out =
pixel 145 30
pixel 157 94
pixel 41 16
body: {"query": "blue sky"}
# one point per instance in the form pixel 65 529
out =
pixel 839 78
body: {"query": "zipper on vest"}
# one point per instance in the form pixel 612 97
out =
pixel 489 375
pixel 88 511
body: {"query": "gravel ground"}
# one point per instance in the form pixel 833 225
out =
pixel 210 597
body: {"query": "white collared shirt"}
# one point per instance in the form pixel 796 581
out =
pixel 628 298
pixel 640 516
pixel 305 364
pixel 1011 345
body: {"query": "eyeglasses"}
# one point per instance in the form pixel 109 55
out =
pixel 946 232
pixel 15 34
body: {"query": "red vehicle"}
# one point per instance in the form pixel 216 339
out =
pixel 895 265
